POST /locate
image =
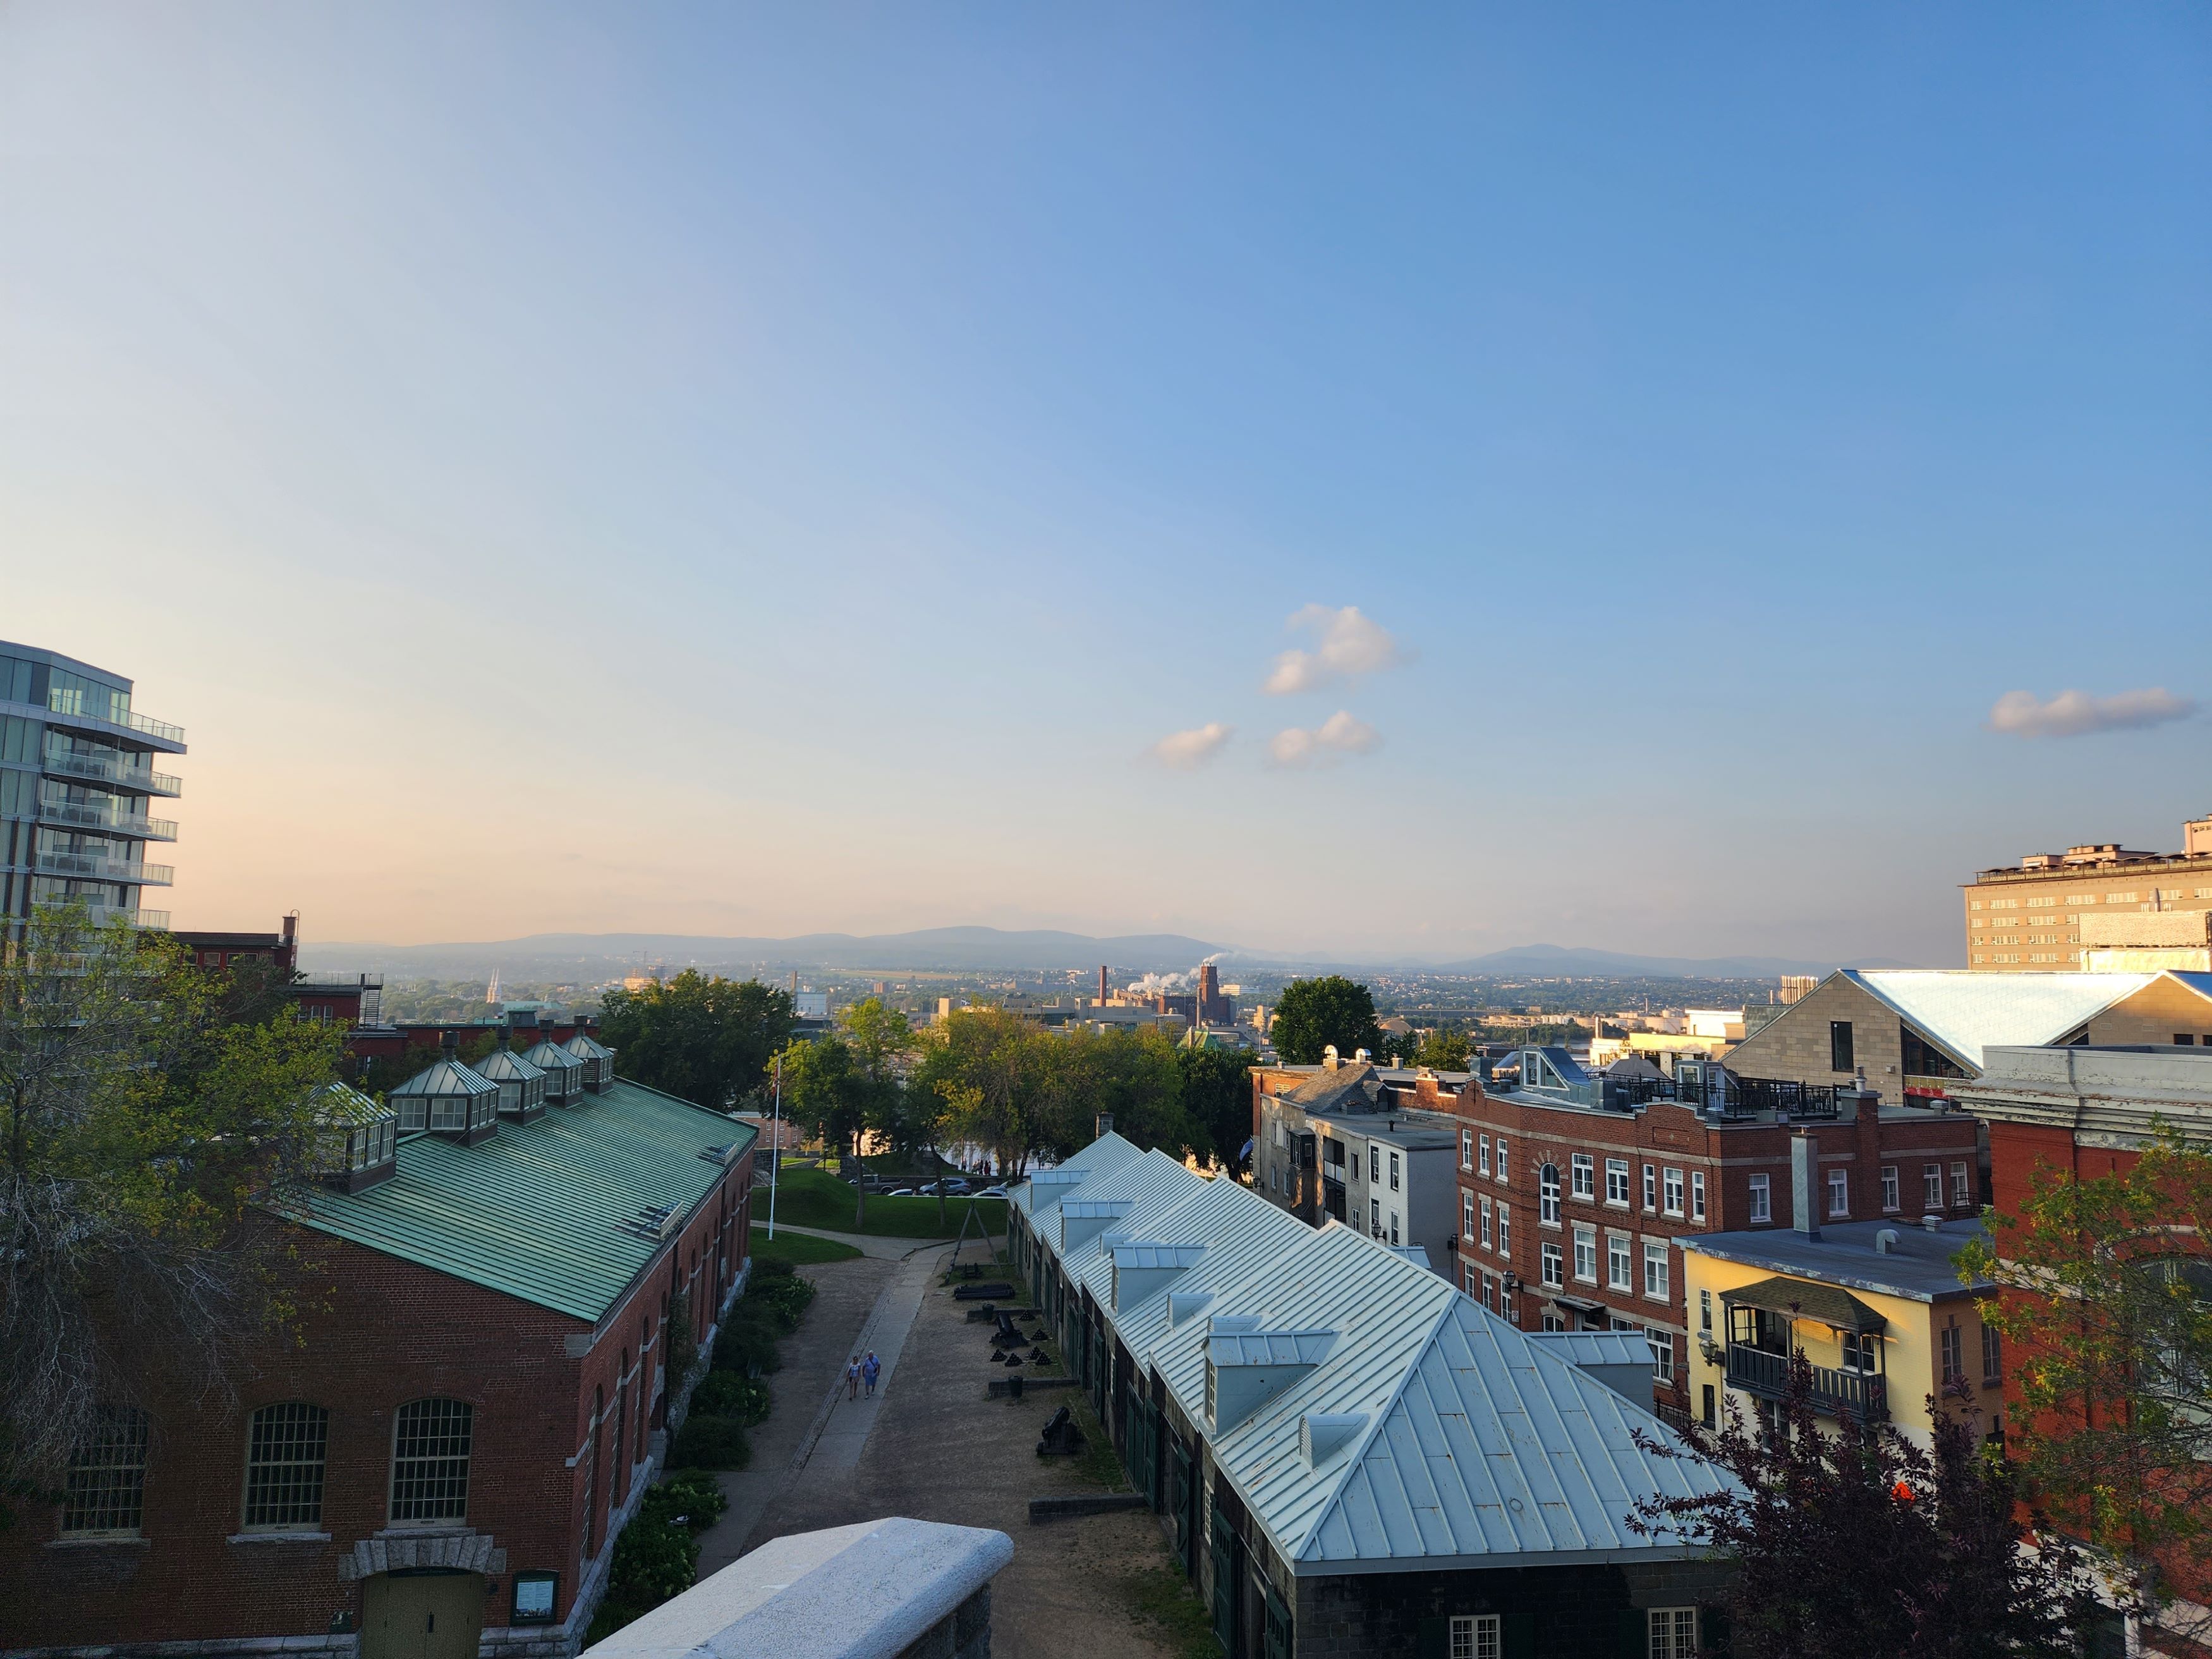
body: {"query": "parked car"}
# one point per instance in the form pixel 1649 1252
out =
pixel 902 1192
pixel 991 1192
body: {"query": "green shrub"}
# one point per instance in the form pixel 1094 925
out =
pixel 711 1443
pixel 727 1394
pixel 655 1558
pixel 784 1295
pixel 747 1345
pixel 693 1495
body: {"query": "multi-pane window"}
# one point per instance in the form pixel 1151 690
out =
pixel 1890 1198
pixel 1586 1255
pixel 1466 1149
pixel 1486 1221
pixel 1697 1194
pixel 1761 1204
pixel 1961 1192
pixel 1662 1353
pixel 1466 1216
pixel 1375 1217
pixel 104 1494
pixel 1477 1636
pixel 1374 1162
pixel 284 1453
pixel 1673 1192
pixel 1992 1357
pixel 1618 1263
pixel 1482 1153
pixel 1616 1181
pixel 1505 1230
pixel 1705 1309
pixel 1471 1277
pixel 1554 1274
pixel 1655 1268
pixel 1932 1186
pixel 1547 1195
pixel 1954 1353
pixel 1672 1632
pixel 1860 1353
pixel 1501 1175
pixel 1394 1227
pixel 1650 1186
pixel 1584 1175
pixel 1839 1193
pixel 430 1441
pixel 1393 1172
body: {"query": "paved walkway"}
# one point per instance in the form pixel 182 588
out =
pixel 883 1249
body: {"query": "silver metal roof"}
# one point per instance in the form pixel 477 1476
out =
pixel 1158 1255
pixel 1963 1012
pixel 1594 1348
pixel 1481 1445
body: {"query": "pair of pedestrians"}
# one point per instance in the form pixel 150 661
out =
pixel 861 1371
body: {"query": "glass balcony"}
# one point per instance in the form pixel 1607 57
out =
pixel 105 822
pixel 111 773
pixel 93 866
pixel 102 706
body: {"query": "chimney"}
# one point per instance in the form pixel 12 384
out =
pixel 1804 1169
pixel 1328 1059
pixel 449 1044
pixel 1103 1125
pixel 1101 985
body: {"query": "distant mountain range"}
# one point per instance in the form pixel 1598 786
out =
pixel 974 949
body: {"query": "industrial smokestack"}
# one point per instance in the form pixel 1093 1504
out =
pixel 1101 985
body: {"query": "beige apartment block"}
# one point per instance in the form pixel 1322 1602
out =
pixel 2093 907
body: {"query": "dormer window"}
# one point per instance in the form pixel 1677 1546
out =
pixel 447 1098
pixel 521 1085
pixel 357 1138
pixel 599 1061
pixel 564 1072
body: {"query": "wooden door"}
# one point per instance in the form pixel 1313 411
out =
pixel 422 1615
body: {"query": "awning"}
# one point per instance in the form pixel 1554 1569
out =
pixel 1580 1305
pixel 1805 1298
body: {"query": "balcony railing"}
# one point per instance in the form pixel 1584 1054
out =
pixel 91 866
pixel 1836 1392
pixel 105 822
pixel 110 773
pixel 59 701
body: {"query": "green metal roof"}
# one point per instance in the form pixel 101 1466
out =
pixel 562 1211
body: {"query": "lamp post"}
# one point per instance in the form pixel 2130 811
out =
pixel 774 1147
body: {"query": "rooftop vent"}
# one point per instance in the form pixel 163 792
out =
pixel 1321 1435
pixel 1886 1241
pixel 655 1224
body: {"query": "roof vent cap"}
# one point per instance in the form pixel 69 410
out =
pixel 1931 1222
pixel 1884 1240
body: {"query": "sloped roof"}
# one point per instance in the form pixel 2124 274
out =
pixel 444 1076
pixel 1808 1298
pixel 1963 1012
pixel 1353 1086
pixel 548 1210
pixel 505 1065
pixel 548 1056
pixel 1481 1444
pixel 1594 1348
pixel 1107 1153
pixel 584 1045
pixel 338 1104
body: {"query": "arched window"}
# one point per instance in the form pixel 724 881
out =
pixel 592 1472
pixel 620 1479
pixel 285 1448
pixel 1548 1190
pixel 105 1495
pixel 431 1442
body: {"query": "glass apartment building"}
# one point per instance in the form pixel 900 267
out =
pixel 78 790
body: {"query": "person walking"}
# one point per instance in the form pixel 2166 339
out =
pixel 853 1379
pixel 870 1369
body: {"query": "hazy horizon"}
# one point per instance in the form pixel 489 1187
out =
pixel 1693 484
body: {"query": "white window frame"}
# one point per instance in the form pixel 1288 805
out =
pixel 1892 1193
pixel 1652 1187
pixel 1393 1172
pixel 1548 1194
pixel 1466 1149
pixel 1585 1253
pixel 1658 1270
pixel 1467 1215
pixel 1671 1632
pixel 1553 1265
pixel 1482 1155
pixel 1582 1176
pixel 1762 1198
pixel 1505 1230
pixel 1477 1636
pixel 1501 1158
pixel 1839 1195
pixel 1616 1182
pixel 1697 1194
pixel 1661 1343
pixel 1962 1192
pixel 1671 1191
pixel 1932 1186
pixel 1621 1262
pixel 1486 1221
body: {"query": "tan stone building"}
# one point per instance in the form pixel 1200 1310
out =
pixel 2090 907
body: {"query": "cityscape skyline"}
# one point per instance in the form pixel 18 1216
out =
pixel 1684 492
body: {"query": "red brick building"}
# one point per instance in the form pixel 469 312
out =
pixel 478 1395
pixel 1574 1189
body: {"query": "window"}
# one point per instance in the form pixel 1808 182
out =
pixel 1889 1199
pixel 1618 1272
pixel 1482 1153
pixel 1554 1322
pixel 1650 1186
pixel 1839 1194
pixel 1961 1194
pixel 1375 1217
pixel 1655 1268
pixel 1697 1194
pixel 1466 1149
pixel 1839 1046
pixel 1705 1309
pixel 1673 1192
pixel 1586 1255
pixel 284 1452
pixel 1508 1297
pixel 1761 1205
pixel 1501 1158
pixel 1486 1221
pixel 1505 1230
pixel 1662 1353
pixel 1394 1226
pixel 1374 1162
pixel 1466 1216
pixel 1861 1352
pixel 1471 1277
pixel 1489 1298
pixel 105 1494
pixel 1584 1175
pixel 1992 1357
pixel 1477 1636
pixel 1954 1361
pixel 1705 1411
pixel 1616 1181
pixel 1393 1172
pixel 1547 1195
pixel 1932 1186
pixel 1553 1273
pixel 431 1461
pixel 1672 1632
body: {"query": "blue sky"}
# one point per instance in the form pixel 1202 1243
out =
pixel 756 471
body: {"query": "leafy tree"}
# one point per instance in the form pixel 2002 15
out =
pixel 1443 1051
pixel 708 1040
pixel 882 1041
pixel 1315 1013
pixel 1852 1540
pixel 2107 1311
pixel 1217 1100
pixel 992 1063
pixel 826 1094
pixel 143 1127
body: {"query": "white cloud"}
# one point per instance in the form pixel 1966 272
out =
pixel 2076 713
pixel 1334 739
pixel 1185 750
pixel 1346 646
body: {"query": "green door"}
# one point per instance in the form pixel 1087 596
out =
pixel 1226 1587
pixel 426 1614
pixel 1279 1626
pixel 1182 1492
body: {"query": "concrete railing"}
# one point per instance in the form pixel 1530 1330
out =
pixel 892 1589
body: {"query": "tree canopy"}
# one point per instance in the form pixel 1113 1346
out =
pixel 1443 1051
pixel 1314 1013
pixel 708 1040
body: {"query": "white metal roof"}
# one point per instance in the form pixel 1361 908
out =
pixel 1594 1348
pixel 1963 1012
pixel 1107 1153
pixel 1480 1444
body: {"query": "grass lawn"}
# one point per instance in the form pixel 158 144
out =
pixel 798 1249
pixel 812 1199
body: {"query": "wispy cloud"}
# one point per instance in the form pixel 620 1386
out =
pixel 1333 739
pixel 2076 713
pixel 1346 644
pixel 1185 750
